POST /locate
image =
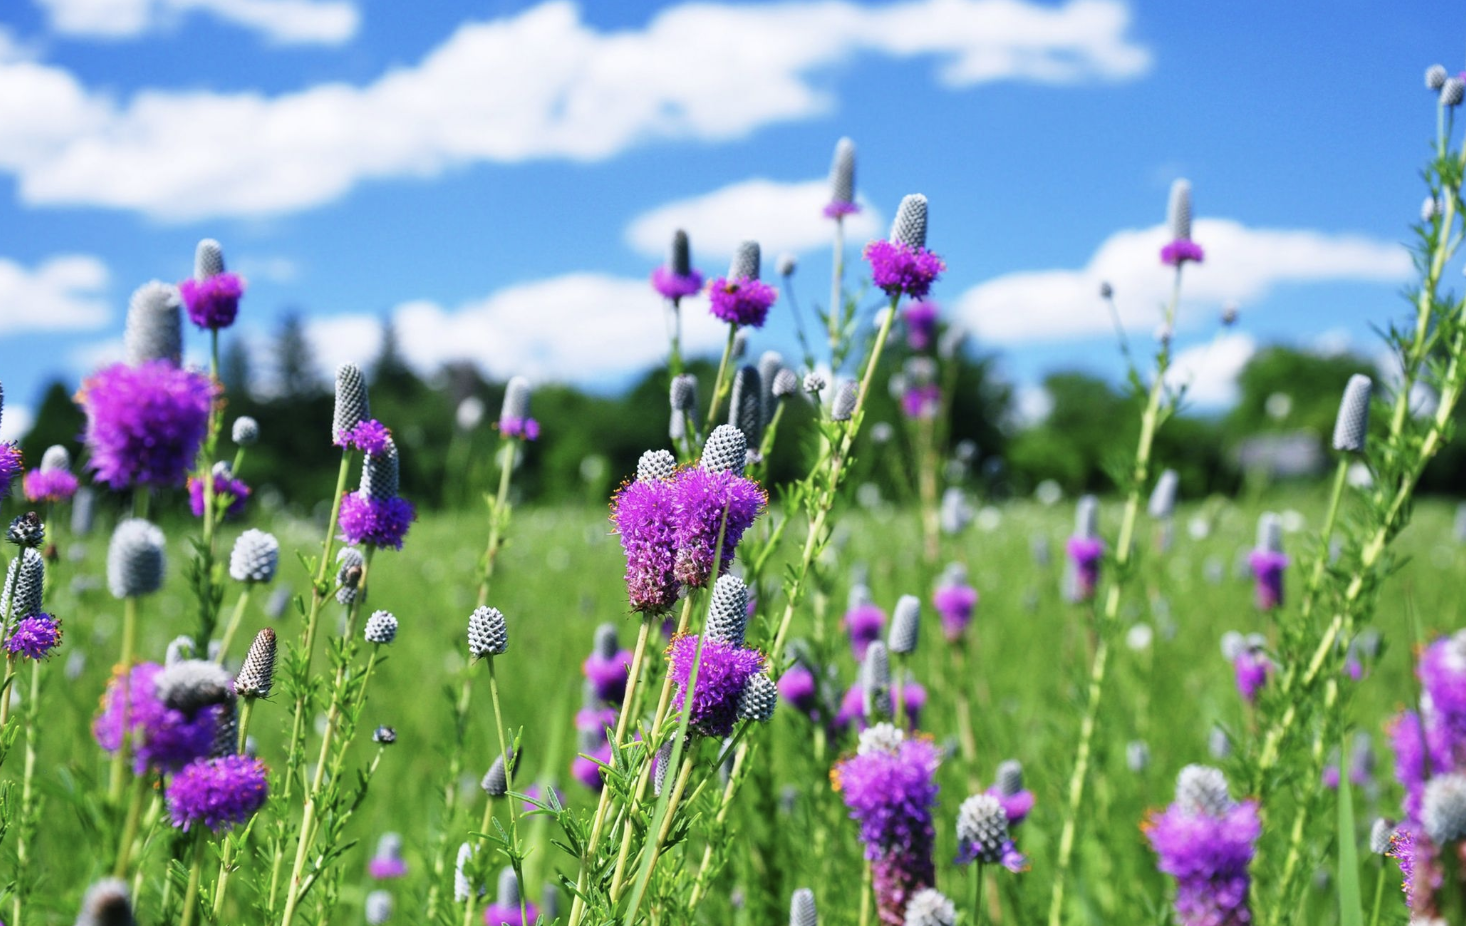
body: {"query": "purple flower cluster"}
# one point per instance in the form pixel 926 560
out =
pixel 163 738
pixel 225 488
pixel 212 303
pixel 1267 569
pixel 701 500
pixel 11 463
pixel 41 485
pixel 921 324
pixel 799 688
pixel 645 517
pixel 921 402
pixel 506 915
pixel 377 522
pixel 852 706
pixel 1208 855
pixel 673 285
pixel 741 302
pixel 1084 555
pixel 145 423
pixel 370 436
pixel 836 209
pixel 955 602
pixel 900 268
pixel 1180 251
pixel 35 636
pixel 865 623
pixel 724 668
pixel 523 428
pixel 1252 668
pixel 890 788
pixel 608 674
pixel 218 793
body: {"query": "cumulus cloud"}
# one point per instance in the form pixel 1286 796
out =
pixel 779 216
pixel 16 422
pixel 539 84
pixel 575 328
pixel 62 293
pixel 286 22
pixel 1209 371
pixel 1241 264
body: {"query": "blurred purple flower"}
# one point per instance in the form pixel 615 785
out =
pixel 674 286
pixel 219 793
pixel 1267 569
pixel 225 487
pixel 741 302
pixel 955 603
pixel 56 485
pixel 162 738
pixel 900 268
pixel 212 303
pixel 145 423
pixel 921 324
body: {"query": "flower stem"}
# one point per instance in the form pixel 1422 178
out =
pixel 836 309
pixel 124 681
pixel 720 381
pixel 497 520
pixel 233 626
pixel 191 896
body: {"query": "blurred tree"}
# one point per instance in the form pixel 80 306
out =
pixel 59 420
pixel 294 359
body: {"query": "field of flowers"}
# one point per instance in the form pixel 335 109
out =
pixel 713 703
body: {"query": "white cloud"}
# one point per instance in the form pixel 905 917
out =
pixel 538 84
pixel 62 293
pixel 287 22
pixel 572 328
pixel 1209 371
pixel 267 268
pixel 16 422
pixel 1241 264
pixel 779 216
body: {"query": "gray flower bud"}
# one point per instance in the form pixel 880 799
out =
pixel 106 903
pixel 246 431
pixel 1452 91
pixel 226 731
pixel 1203 789
pixel 1269 533
pixel 1443 810
pixel 1106 290
pixel 1137 756
pixel 463 886
pixel 814 383
pixel 728 610
pixel 1352 426
pixel 1010 777
pixel 679 259
pixel 875 681
pixel 257 674
pixel 726 450
pixel 842 172
pixel 352 406
pixel 660 767
pixel 154 328
pixel 801 908
pixel 905 625
pixel 255 557
pixel 83 511
pixel 787 263
pixel 508 895
pixel 769 365
pixel 758 699
pixel 381 628
pixel 380 473
pixel 28 586
pixel 982 828
pixel 1435 77
pixel 516 400
pixel 56 459
pixel 351 564
pixel 488 633
pixel 1163 497
pixel 880 737
pixel 1178 211
pixel 909 226
pixel 746 404
pixel 135 559
pixel 655 466
pixel 846 398
pixel 684 392
pixel 930 907
pixel 745 263
pixel 1380 836
pixel 785 384
pixel 190 685
pixel 208 260
pixel 495 782
pixel 1086 517
pixel 378 907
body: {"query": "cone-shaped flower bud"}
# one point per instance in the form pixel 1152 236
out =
pixel 1435 77
pixel 246 431
pixel 880 737
pixel 845 398
pixel 508 895
pixel 26 530
pixel 488 633
pixel 351 563
pixel 606 644
pixel 759 698
pixel 226 731
pixel 208 259
pixel 930 907
pixel 25 590
pixel 905 625
pixel 842 173
pixel 982 828
pixel 1269 533
pixel 1137 756
pixel 106 903
pixel 1380 835
pixel 801 908
pixel 1352 425
pixel 190 685
pixel 378 907
pixel 257 673
pixel 381 628
pixel 787 263
pixel 463 887
pixel 769 365
pixel 135 559
pixel 384 735
pixel 786 383
pixel 495 782
pixel 1452 91
pixel 154 329
pixel 684 392
pixel 655 466
pixel 56 459
pixel 728 610
pixel 516 400
pixel 660 767
pixel 1443 810
pixel 746 262
pixel 746 405
pixel 909 226
pixel 352 407
pixel 1178 211
pixel 814 383
pixel 1163 497
pixel 380 473
pixel 680 256
pixel 1010 777
pixel 726 450
pixel 1086 517
pixel 1203 789
pixel 255 557
pixel 875 681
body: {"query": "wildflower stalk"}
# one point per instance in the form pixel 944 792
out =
pixel 837 291
pixel 234 618
pixel 124 677
pixel 508 754
pixel 28 805
pixel 1150 422
pixel 130 824
pixel 195 867
pixel 721 383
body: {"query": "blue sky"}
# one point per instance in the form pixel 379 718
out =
pixel 501 177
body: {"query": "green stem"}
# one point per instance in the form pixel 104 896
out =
pixel 496 521
pixel 837 291
pixel 720 381
pixel 124 683
pixel 1379 892
pixel 27 796
pixel 504 750
pixel 234 618
pixel 129 826
pixel 191 896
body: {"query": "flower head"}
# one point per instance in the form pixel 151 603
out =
pixel 724 669
pixel 678 278
pixel 255 557
pixel 386 861
pixel 982 834
pixel 741 302
pixel 921 324
pixel 644 513
pixel 607 665
pixel 212 303
pixel 163 737
pixel 1206 842
pixel 378 522
pixel 145 423
pixel 227 489
pixel 702 501
pixel 369 436
pixel 218 793
pixel 1017 801
pixel 41 485
pixel 352 405
pixel 35 636
pixel 864 621
pixel 842 181
pixel 135 559
pixel 154 328
pixel 955 603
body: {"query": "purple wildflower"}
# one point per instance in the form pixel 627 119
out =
pixel 700 500
pixel 852 706
pixel 1207 849
pixel 900 268
pixel 865 622
pixel 377 522
pixel 587 770
pixel 723 670
pixel 890 787
pixel 225 488
pixel 595 720
pixel 163 738
pixel 741 302
pixel 837 210
pixel 382 868
pixel 921 324
pixel 645 517
pixel 56 485
pixel 34 636
pixel 608 674
pixel 797 686
pixel 145 423
pixel 219 793
pixel 525 428
pixel 982 834
pixel 673 285
pixel 370 436
pixel 955 603
pixel 1267 569
pixel 1252 668
pixel 11 463
pixel 212 303
pixel 1017 806
pixel 1084 554
pixel 1180 251
pixel 921 401
pixel 508 915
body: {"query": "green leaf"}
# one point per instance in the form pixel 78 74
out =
pixel 1351 902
